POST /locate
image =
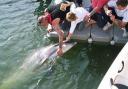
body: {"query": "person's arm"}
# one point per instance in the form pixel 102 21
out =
pixel 49 28
pixel 99 6
pixel 123 24
pixel 105 7
pixel 125 19
pixel 120 23
pixel 93 11
pixel 107 11
pixel 63 6
pixel 71 31
pixel 56 26
pixel 117 22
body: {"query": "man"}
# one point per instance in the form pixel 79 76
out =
pixel 97 13
pixel 75 16
pixel 118 14
pixel 54 16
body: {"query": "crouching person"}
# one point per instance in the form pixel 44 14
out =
pixel 75 16
pixel 118 14
pixel 53 16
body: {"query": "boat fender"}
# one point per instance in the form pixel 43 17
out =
pixel 112 42
pixel 90 40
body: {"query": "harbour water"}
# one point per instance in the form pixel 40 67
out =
pixel 20 36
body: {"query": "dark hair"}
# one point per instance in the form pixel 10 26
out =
pixel 122 3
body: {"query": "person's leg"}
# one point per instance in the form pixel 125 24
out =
pixel 114 13
pixel 65 25
pixel 125 29
pixel 108 20
pixel 101 19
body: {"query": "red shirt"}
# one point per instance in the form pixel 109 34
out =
pixel 48 17
pixel 99 4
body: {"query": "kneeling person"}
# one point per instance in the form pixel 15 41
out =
pixel 75 16
pixel 118 14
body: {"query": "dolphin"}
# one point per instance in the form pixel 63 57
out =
pixel 48 52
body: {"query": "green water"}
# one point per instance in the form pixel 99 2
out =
pixel 81 68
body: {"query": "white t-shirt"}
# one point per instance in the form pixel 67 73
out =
pixel 80 13
pixel 120 13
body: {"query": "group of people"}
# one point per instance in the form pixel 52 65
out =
pixel 104 13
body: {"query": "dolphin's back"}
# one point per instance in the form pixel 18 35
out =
pixel 49 52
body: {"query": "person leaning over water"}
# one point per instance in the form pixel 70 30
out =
pixel 54 17
pixel 117 11
pixel 75 16
pixel 97 13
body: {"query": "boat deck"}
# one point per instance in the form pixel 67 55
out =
pixel 117 72
pixel 83 33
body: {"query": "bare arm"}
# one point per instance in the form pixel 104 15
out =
pixel 71 31
pixel 93 11
pixel 117 22
pixel 105 7
pixel 63 6
pixel 55 24
pixel 99 6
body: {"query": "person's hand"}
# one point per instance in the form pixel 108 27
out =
pixel 59 52
pixel 67 39
pixel 63 7
pixel 49 30
pixel 108 12
pixel 87 18
pixel 112 17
